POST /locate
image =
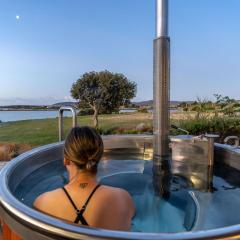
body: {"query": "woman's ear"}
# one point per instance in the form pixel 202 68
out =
pixel 66 162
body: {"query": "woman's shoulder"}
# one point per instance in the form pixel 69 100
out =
pixel 114 191
pixel 109 202
pixel 46 201
pixel 116 195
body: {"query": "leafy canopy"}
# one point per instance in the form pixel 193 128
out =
pixel 104 91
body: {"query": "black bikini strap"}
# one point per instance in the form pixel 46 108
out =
pixel 86 203
pixel 81 219
pixel 89 198
pixel 70 199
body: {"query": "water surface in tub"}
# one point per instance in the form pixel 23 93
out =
pixel 154 214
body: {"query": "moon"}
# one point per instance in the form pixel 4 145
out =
pixel 17 17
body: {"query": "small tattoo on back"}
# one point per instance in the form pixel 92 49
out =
pixel 83 185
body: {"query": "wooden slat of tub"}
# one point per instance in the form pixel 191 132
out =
pixel 7 234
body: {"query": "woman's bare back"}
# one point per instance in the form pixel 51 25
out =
pixel 109 208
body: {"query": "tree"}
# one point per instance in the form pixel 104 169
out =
pixel 103 91
pixel 200 107
pixel 226 104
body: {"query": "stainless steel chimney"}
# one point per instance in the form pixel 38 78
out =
pixel 161 99
pixel 161 86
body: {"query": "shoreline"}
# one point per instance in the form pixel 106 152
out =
pixel 27 110
pixel 21 115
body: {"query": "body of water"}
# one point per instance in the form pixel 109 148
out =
pixel 10 116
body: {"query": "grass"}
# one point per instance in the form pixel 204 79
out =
pixel 41 132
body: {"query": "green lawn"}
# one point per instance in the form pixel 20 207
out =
pixel 41 132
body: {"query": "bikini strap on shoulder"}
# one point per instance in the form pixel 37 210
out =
pixel 70 199
pixel 89 198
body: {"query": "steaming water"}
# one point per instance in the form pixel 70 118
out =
pixel 154 214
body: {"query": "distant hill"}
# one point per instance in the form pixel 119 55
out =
pixel 140 104
pixel 144 103
pixel 60 104
pixel 38 107
pixel 23 107
pixel 56 106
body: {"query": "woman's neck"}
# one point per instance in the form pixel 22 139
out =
pixel 81 178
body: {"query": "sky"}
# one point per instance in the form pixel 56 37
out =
pixel 45 46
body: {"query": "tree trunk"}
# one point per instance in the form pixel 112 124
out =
pixel 95 118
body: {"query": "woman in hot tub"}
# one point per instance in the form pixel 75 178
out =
pixel 83 200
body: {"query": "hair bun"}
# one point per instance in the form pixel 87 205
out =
pixel 90 164
pixel 84 147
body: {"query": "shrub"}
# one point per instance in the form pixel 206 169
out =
pixel 106 131
pixel 125 130
pixel 85 112
pixel 223 126
pixel 12 150
pixel 143 110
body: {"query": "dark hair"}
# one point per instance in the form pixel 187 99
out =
pixel 84 147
